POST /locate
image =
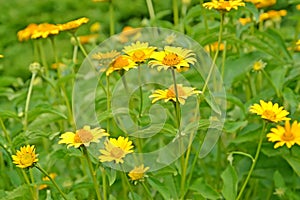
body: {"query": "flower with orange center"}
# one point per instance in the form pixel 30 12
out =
pixel 170 94
pixel 262 3
pixel 115 150
pixel 25 157
pixel 138 173
pixel 73 25
pixel 139 52
pixel 272 15
pixel 83 136
pixel 223 5
pixel 44 30
pixel 287 135
pixel 172 57
pixel 270 112
pixel 121 63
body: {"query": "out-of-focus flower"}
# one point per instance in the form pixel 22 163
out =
pixel 170 39
pixel 298 6
pixel 245 21
pixel 34 31
pixel 116 150
pixel 139 52
pixel 297 47
pixel 214 46
pixel 259 65
pixel 95 27
pixel 170 94
pixel 223 5
pixel 1 56
pixel 121 63
pixel 262 3
pixel 86 39
pixel 287 135
pixel 58 65
pixel 73 25
pixel 128 33
pixel 27 32
pixel 138 173
pixel 272 15
pixel 44 186
pixel 105 59
pixel 25 157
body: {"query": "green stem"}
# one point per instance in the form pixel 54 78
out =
pixel 253 163
pixel 29 184
pixel 107 102
pixel 150 10
pixel 212 67
pixel 147 190
pixel 7 136
pixel 28 101
pixel 126 180
pixel 278 93
pixel 43 57
pixel 175 12
pixel 54 50
pixel 33 184
pixel 93 173
pixel 52 180
pixel 177 105
pixel 111 18
pixel 141 92
pixel 104 183
pixel 75 52
pixel 223 60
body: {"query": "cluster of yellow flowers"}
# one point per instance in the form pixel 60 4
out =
pixel 283 135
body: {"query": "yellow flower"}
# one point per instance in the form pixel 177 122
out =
pixel 297 47
pixel 259 65
pixel 44 30
pixel 169 94
pixel 105 59
pixel 214 46
pixel 172 57
pixel 129 32
pixel 1 56
pixel 26 33
pixel 25 157
pixel 138 173
pixel 287 135
pixel 298 6
pixel 245 21
pixel 262 3
pixel 71 25
pixel 121 63
pixel 272 15
pixel 223 5
pixel 85 39
pixel 44 186
pixel 116 150
pixel 139 52
pixel 95 27
pixel 83 136
pixel 270 112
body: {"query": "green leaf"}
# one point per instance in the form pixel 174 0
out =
pixel 278 180
pixel 294 162
pixel 21 192
pixel 231 127
pixel 204 189
pixel 8 114
pixel 111 175
pixel 277 77
pixel 230 183
pixel 160 187
pixel 291 99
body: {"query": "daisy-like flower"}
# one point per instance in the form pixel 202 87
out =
pixel 138 173
pixel 139 52
pixel 121 63
pixel 83 136
pixel 245 21
pixel 273 15
pixel 172 57
pixel 115 150
pixel 44 30
pixel 262 3
pixel 287 135
pixel 73 25
pixel 270 112
pixel 27 32
pixel 44 186
pixel 223 5
pixel 170 94
pixel 105 59
pixel 25 157
pixel 259 65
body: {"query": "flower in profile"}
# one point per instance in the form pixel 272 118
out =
pixel 83 136
pixel 172 57
pixel 245 21
pixel 138 173
pixel 121 63
pixel 73 25
pixel 270 112
pixel 223 5
pixel 139 52
pixel 44 186
pixel 262 3
pixel 170 94
pixel 44 30
pixel 259 65
pixel 272 15
pixel 115 150
pixel 25 157
pixel 214 46
pixel 105 59
pixel 287 135
pixel 26 33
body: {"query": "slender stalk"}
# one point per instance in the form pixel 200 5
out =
pixel 93 173
pixel 52 180
pixel 75 52
pixel 141 92
pixel 253 163
pixel 177 99
pixel 43 57
pixel 104 183
pixel 212 67
pixel 147 190
pixel 6 134
pixel 28 101
pixel 29 184
pixel 223 59
pixel 33 184
pixel 125 179
pixel 111 18
pixel 278 93
pixel 54 50
pixel 150 9
pixel 107 102
pixel 175 12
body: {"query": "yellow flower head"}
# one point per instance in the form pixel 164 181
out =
pixel 83 136
pixel 223 5
pixel 298 6
pixel 262 3
pixel 214 46
pixel 44 30
pixel 139 52
pixel 95 27
pixel 121 63
pixel 25 157
pixel 287 135
pixel 26 33
pixel 44 186
pixel 272 15
pixel 86 39
pixel 1 56
pixel 259 65
pixel 73 25
pixel 138 173
pixel 172 57
pixel 270 112
pixel 170 94
pixel 116 150
pixel 245 21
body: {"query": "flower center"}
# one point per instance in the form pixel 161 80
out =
pixel 83 136
pixel 288 136
pixel 171 59
pixel 26 159
pixel 117 152
pixel 269 114
pixel 120 62
pixel 139 56
pixel 137 175
pixel 172 94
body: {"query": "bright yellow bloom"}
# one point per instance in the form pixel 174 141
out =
pixel 298 6
pixel 223 5
pixel 172 57
pixel 139 52
pixel 95 27
pixel 170 94
pixel 73 25
pixel 272 15
pixel 138 173
pixel 287 135
pixel 245 21
pixel 115 150
pixel 259 65
pixel 44 30
pixel 262 3
pixel 26 33
pixel 214 46
pixel 1 56
pixel 297 47
pixel 270 112
pixel 121 63
pixel 44 186
pixel 25 157
pixel 83 136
